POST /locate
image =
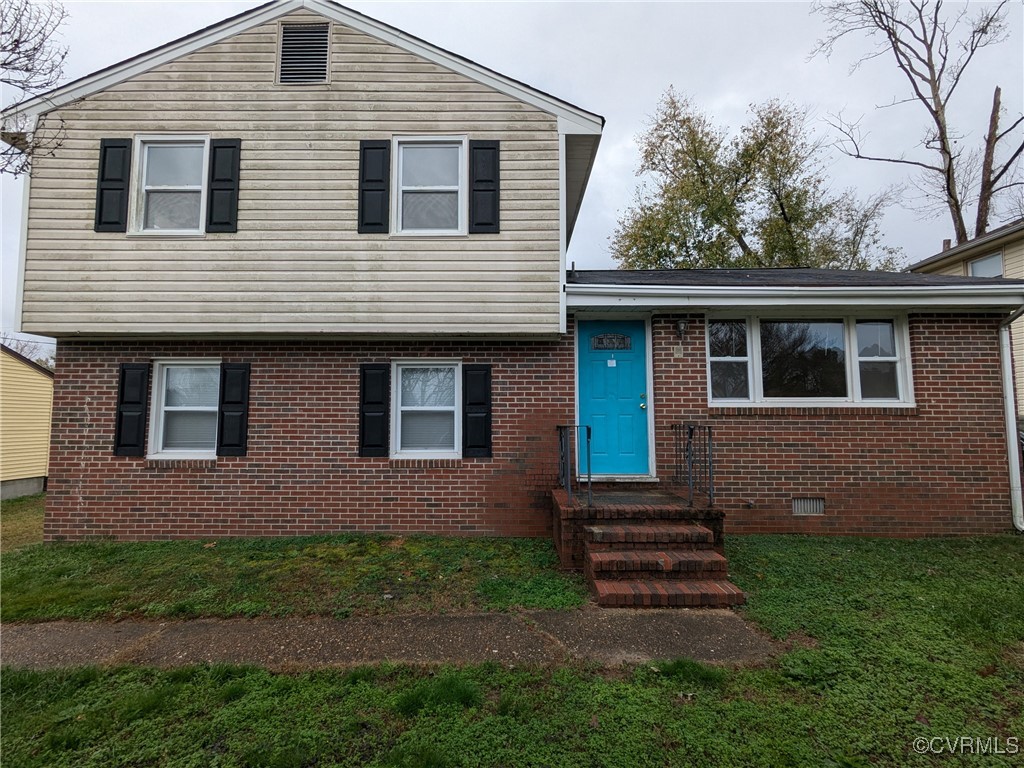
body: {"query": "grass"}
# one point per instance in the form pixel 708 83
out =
pixel 21 522
pixel 889 641
pixel 355 574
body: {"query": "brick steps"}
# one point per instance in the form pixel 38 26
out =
pixel 640 535
pixel 656 563
pixel 661 593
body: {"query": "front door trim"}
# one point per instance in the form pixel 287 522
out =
pixel 652 461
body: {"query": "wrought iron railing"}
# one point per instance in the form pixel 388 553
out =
pixel 695 459
pixel 568 459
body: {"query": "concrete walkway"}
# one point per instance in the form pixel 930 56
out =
pixel 606 636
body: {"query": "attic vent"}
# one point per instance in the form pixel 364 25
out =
pixel 304 49
pixel 808 506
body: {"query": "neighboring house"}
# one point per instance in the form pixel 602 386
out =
pixel 999 253
pixel 308 275
pixel 26 399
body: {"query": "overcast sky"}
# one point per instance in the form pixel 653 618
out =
pixel 615 59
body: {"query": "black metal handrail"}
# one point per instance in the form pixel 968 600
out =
pixel 568 447
pixel 695 459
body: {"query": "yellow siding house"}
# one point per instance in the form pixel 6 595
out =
pixel 26 397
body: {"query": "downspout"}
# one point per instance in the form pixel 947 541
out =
pixel 1010 414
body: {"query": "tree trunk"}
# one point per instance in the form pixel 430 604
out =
pixel 985 187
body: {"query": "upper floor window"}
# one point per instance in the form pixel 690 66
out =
pixel 431 186
pixel 171 192
pixel 305 54
pixel 986 266
pixel 807 360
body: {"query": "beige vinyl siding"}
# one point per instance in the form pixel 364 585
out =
pixel 297 264
pixel 26 396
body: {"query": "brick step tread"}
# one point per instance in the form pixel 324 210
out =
pixel 646 533
pixel 660 593
pixel 659 562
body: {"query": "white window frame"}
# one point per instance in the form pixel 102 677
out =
pixel 157 409
pixel 139 187
pixel 397 366
pixel 397 143
pixel 747 359
pixel 853 397
pixel 986 257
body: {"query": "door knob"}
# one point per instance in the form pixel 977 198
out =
pixel 643 406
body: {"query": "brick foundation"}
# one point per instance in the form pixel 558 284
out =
pixel 936 469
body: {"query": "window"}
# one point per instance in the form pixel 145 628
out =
pixel 171 196
pixel 727 343
pixel 185 406
pixel 877 361
pixel 807 360
pixel 431 184
pixel 426 408
pixel 803 358
pixel 305 51
pixel 986 266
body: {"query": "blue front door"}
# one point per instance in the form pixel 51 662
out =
pixel 613 397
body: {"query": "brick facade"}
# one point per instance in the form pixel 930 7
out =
pixel 302 474
pixel 936 469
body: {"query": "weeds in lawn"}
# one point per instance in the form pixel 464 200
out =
pixel 889 656
pixel 448 689
pixel 339 576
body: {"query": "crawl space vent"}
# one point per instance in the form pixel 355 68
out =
pixel 304 51
pixel 809 506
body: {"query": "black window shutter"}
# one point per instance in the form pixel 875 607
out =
pixel 374 182
pixel 476 411
pixel 222 195
pixel 132 402
pixel 484 187
pixel 233 415
pixel 112 185
pixel 374 408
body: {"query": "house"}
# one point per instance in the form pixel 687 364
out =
pixel 999 253
pixel 26 396
pixel 308 274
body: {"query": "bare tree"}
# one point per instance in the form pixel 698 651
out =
pixel 933 49
pixel 42 353
pixel 31 62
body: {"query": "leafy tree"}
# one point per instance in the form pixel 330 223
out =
pixel 31 62
pixel 932 49
pixel 758 198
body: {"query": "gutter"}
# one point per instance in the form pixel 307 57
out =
pixel 995 296
pixel 1010 414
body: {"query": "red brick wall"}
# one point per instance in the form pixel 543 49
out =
pixel 936 469
pixel 302 474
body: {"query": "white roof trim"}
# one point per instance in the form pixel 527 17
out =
pixel 648 296
pixel 571 119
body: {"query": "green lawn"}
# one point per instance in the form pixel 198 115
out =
pixel 890 641
pixel 330 575
pixel 21 522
